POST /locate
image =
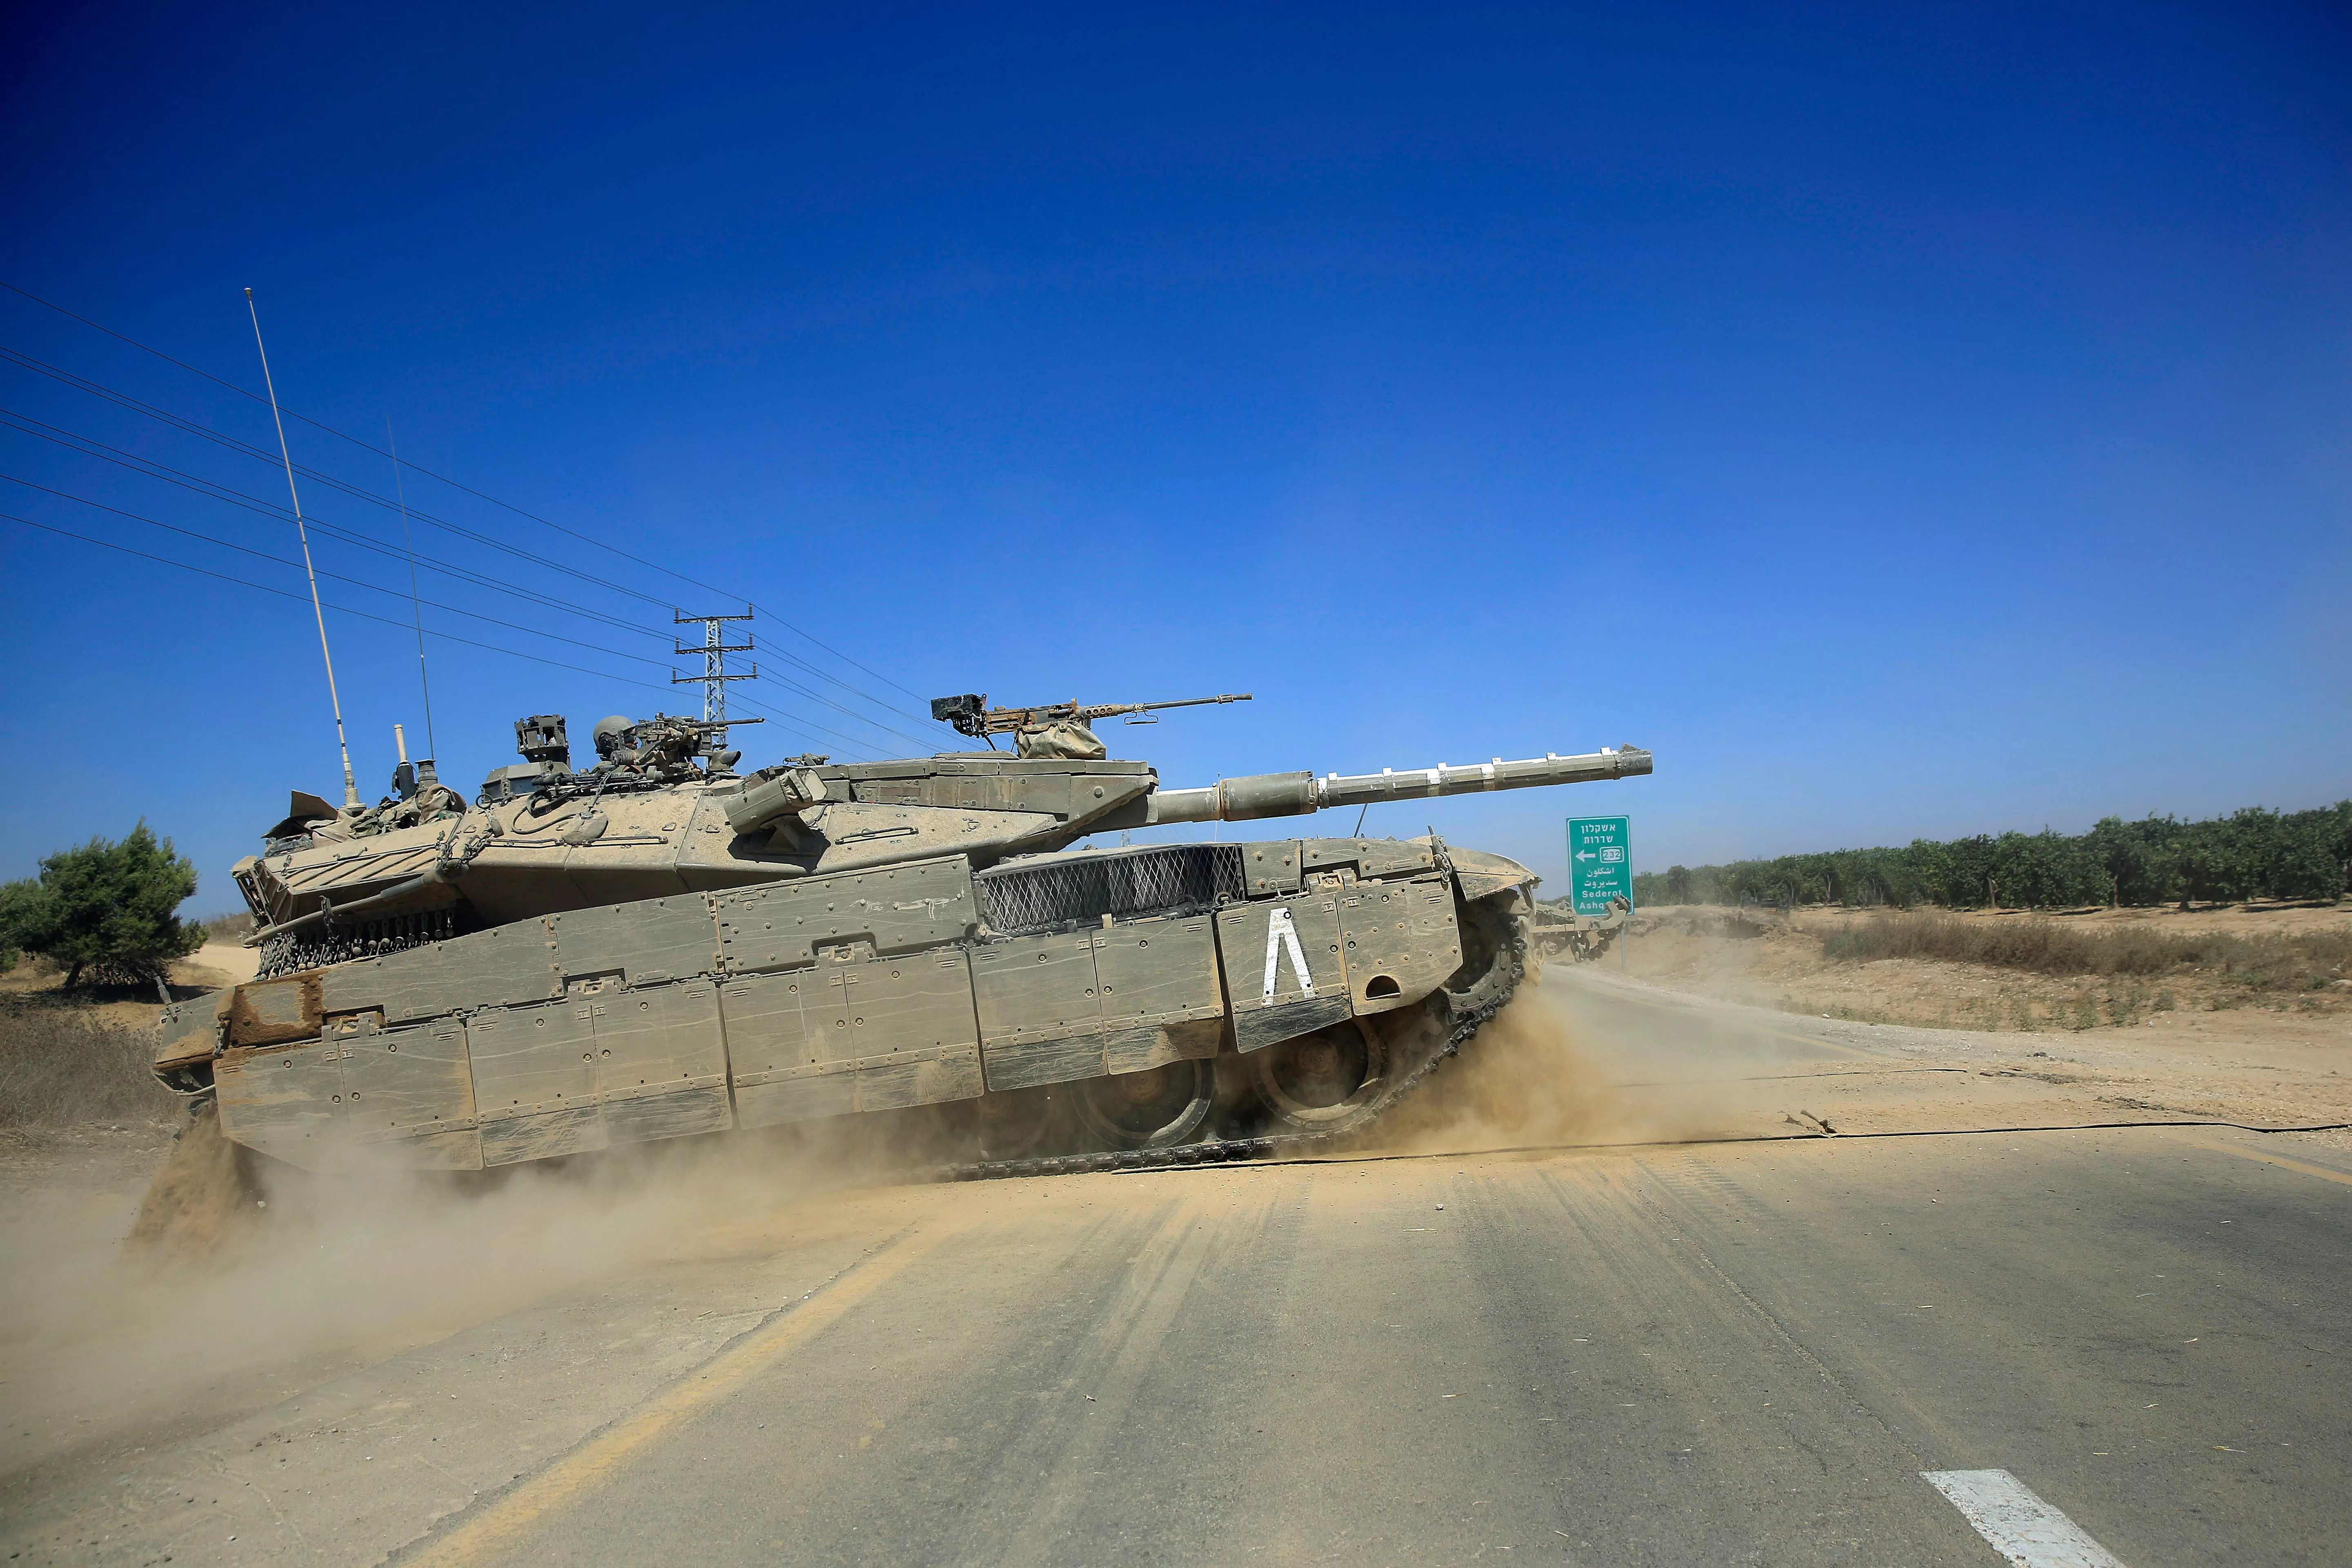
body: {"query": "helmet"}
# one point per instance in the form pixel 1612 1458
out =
pixel 611 735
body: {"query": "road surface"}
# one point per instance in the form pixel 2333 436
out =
pixel 1668 1354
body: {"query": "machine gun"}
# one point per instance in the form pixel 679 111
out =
pixel 662 745
pixel 1050 729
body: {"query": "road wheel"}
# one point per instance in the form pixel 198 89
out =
pixel 1327 1081
pixel 1016 1123
pixel 1154 1108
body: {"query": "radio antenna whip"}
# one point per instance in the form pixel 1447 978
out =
pixel 414 601
pixel 351 785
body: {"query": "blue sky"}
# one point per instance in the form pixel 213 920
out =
pixel 1905 422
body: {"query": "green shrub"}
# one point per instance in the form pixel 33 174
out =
pixel 2299 961
pixel 106 908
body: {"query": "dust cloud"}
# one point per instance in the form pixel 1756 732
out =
pixel 1532 1078
pixel 200 1202
pixel 239 1275
pixel 234 1278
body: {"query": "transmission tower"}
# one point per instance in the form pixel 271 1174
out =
pixel 714 649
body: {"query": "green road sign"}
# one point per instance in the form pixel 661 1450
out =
pixel 1600 863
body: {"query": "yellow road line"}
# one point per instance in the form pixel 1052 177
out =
pixel 2221 1147
pixel 502 1526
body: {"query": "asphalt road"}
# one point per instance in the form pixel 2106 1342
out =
pixel 1671 1355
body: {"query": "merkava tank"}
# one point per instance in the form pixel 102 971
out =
pixel 1555 930
pixel 659 948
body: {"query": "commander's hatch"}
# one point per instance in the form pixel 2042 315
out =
pixel 302 809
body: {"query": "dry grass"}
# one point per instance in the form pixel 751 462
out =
pixel 2266 963
pixel 59 1067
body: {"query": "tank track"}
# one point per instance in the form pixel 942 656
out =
pixel 1468 1016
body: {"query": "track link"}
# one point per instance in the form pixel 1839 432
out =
pixel 1470 1012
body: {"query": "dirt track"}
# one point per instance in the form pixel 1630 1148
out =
pixel 2194 1049
pixel 1776 960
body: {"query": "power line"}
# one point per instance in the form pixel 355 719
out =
pixel 363 615
pixel 90 448
pixel 194 428
pixel 121 399
pixel 357 491
pixel 213 490
pixel 820 697
pixel 798 723
pixel 417 602
pixel 574 533
pixel 339 609
pixel 774 713
pixel 337 577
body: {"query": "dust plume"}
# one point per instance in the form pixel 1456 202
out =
pixel 237 1271
pixel 1532 1078
pixel 201 1201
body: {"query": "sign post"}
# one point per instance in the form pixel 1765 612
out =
pixel 1600 863
pixel 1599 869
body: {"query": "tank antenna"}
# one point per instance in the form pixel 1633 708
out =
pixel 416 603
pixel 350 785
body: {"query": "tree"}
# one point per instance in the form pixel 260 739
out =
pixel 106 907
pixel 2254 852
pixel 2295 858
pixel 2211 862
pixel 24 920
pixel 2136 857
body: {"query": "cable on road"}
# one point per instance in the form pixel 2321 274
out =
pixel 1368 1159
pixel 1778 1077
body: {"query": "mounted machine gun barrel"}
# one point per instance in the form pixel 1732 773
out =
pixel 972 716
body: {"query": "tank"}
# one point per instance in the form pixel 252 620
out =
pixel 654 947
pixel 1555 930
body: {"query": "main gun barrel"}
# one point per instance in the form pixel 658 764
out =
pixel 1298 795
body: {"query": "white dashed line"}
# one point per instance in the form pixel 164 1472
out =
pixel 2021 1526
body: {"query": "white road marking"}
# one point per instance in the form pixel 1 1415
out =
pixel 2021 1526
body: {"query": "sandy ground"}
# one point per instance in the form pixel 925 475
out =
pixel 217 964
pixel 2285 1063
pixel 209 968
pixel 1775 961
pixel 2253 1069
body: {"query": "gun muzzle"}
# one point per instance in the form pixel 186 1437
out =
pixel 1297 795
